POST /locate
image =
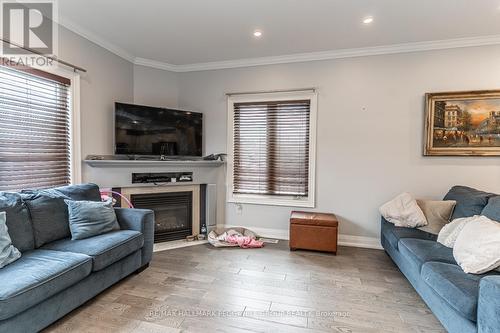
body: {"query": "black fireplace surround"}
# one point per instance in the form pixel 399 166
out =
pixel 173 213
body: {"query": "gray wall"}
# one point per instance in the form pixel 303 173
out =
pixel 370 117
pixel 154 87
pixel 370 129
pixel 109 78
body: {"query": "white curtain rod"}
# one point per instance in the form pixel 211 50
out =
pixel 270 91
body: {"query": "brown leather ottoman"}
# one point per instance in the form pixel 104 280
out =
pixel 313 231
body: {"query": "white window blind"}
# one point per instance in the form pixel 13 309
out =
pixel 34 129
pixel 271 148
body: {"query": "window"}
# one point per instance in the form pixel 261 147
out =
pixel 35 129
pixel 272 148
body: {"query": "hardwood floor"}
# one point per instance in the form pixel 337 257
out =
pixel 204 289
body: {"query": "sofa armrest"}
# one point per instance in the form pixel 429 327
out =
pixel 141 220
pixel 488 309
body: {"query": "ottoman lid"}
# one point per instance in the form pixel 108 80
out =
pixel 313 218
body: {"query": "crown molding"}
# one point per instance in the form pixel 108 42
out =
pixel 285 59
pixel 156 64
pixel 325 55
pixel 79 30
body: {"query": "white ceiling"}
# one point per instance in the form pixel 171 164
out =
pixel 184 32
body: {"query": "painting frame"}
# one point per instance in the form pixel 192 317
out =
pixel 431 131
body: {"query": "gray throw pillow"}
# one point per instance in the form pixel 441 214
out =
pixel 19 221
pixel 8 253
pixel 88 192
pixel 91 218
pixel 49 215
pixel 470 201
pixel 492 209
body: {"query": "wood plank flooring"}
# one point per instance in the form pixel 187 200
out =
pixel 204 289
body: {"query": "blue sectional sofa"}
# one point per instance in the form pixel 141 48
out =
pixel 52 279
pixel 463 302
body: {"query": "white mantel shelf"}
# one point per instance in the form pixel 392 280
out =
pixel 145 163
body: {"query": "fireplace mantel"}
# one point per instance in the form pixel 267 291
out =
pixel 118 174
pixel 146 163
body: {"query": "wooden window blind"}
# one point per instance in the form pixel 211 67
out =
pixel 271 148
pixel 34 129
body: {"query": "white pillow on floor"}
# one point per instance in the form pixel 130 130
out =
pixel 449 233
pixel 403 211
pixel 477 248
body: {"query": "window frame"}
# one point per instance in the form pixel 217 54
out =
pixel 263 199
pixel 75 119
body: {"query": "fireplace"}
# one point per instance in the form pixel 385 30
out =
pixel 173 213
pixel 176 207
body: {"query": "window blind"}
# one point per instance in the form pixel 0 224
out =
pixel 271 148
pixel 34 129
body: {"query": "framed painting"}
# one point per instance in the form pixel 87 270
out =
pixel 465 123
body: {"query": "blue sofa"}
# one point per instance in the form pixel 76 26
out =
pixel 53 278
pixel 462 302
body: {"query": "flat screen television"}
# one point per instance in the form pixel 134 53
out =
pixel 146 130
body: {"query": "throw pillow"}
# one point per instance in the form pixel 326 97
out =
pixel 403 211
pixel 470 201
pixel 437 214
pixel 49 215
pixel 91 218
pixel 492 209
pixel 88 192
pixel 19 221
pixel 477 249
pixel 449 233
pixel 8 253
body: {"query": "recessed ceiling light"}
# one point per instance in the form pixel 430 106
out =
pixel 368 20
pixel 257 33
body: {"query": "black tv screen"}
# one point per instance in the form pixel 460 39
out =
pixel 145 130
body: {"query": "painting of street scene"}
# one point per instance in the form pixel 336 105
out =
pixel 469 125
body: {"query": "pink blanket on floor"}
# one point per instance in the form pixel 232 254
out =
pixel 244 241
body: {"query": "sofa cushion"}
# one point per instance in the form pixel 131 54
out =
pixel 18 221
pixel 393 234
pixel 36 276
pixel 458 289
pixel 492 209
pixel 91 218
pixel 470 201
pixel 89 192
pixel 105 249
pixel 420 251
pixel 49 215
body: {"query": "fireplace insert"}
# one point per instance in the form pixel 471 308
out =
pixel 173 213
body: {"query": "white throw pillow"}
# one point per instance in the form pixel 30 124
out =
pixel 449 233
pixel 403 211
pixel 477 248
pixel 8 253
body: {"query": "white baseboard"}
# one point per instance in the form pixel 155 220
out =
pixel 344 240
pixel 360 241
pixel 263 232
pixel 164 246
